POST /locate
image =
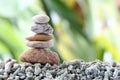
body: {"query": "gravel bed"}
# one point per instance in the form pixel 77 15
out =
pixel 70 70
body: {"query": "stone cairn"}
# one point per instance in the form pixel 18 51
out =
pixel 45 61
pixel 40 42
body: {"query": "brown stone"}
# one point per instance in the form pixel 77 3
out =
pixel 40 56
pixel 39 37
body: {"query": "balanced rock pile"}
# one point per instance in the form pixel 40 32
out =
pixel 40 42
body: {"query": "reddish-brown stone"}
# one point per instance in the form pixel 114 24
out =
pixel 40 56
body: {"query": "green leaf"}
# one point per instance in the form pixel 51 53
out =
pixel 11 39
pixel 67 13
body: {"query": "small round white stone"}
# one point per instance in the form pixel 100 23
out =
pixel 42 18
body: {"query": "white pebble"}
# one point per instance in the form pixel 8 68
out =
pixel 37 69
pixel 15 66
pixel 28 69
pixel 5 75
pixel 2 64
pixel 8 66
pixel 42 18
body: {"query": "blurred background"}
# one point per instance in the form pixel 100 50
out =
pixel 84 29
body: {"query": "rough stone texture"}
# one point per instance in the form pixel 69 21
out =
pixel 42 28
pixel 39 37
pixel 40 44
pixel 42 18
pixel 70 70
pixel 40 55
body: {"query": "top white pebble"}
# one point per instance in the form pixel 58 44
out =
pixel 42 18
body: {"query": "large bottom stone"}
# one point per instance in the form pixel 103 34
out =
pixel 40 56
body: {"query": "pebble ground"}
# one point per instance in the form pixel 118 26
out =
pixel 70 70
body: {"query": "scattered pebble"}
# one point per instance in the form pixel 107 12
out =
pixel 70 70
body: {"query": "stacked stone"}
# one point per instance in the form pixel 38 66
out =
pixel 39 43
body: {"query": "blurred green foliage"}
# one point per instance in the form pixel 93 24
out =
pixel 82 28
